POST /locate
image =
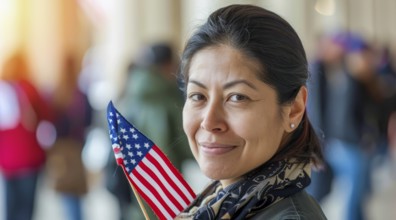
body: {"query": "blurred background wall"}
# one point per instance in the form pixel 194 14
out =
pixel 48 30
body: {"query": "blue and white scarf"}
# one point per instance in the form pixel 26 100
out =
pixel 259 188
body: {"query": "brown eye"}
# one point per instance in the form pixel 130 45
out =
pixel 238 98
pixel 196 97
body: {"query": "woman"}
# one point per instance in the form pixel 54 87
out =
pixel 244 74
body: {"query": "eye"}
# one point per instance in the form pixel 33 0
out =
pixel 196 97
pixel 238 98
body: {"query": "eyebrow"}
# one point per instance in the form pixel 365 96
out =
pixel 233 83
pixel 197 83
pixel 227 85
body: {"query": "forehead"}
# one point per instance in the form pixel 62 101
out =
pixel 223 61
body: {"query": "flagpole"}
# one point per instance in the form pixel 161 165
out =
pixel 140 203
pixel 138 199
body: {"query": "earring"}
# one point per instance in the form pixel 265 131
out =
pixel 292 125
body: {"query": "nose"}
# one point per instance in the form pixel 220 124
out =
pixel 213 119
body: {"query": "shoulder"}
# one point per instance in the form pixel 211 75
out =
pixel 300 206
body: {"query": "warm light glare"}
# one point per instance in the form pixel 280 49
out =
pixel 8 28
pixel 5 7
pixel 7 15
pixel 325 7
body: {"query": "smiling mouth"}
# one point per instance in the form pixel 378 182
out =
pixel 215 149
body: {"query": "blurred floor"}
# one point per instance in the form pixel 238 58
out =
pixel 380 205
pixel 99 204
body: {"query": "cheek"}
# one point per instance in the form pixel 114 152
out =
pixel 249 126
pixel 189 123
pixel 261 131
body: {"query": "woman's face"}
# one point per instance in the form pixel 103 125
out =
pixel 232 119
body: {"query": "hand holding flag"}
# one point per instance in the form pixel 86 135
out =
pixel 147 168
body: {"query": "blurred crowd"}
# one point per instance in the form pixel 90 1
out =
pixel 352 104
pixel 42 133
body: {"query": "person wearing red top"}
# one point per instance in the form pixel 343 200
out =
pixel 21 156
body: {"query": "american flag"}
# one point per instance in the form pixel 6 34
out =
pixel 147 168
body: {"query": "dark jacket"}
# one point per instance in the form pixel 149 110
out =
pixel 336 109
pixel 300 206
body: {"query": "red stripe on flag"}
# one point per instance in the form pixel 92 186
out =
pixel 160 183
pixel 154 192
pixel 174 170
pixel 120 161
pixel 150 202
pixel 169 179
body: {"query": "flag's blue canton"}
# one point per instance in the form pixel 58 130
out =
pixel 133 144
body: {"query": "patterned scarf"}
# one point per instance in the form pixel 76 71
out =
pixel 259 189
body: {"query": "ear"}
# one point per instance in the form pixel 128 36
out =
pixel 295 110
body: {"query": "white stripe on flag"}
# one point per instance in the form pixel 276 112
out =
pixel 163 180
pixel 171 174
pixel 119 155
pixel 152 182
pixel 150 196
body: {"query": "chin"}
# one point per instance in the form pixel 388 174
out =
pixel 213 176
pixel 215 173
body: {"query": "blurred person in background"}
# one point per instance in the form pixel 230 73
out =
pixel 73 116
pixel 392 135
pixel 22 107
pixel 387 77
pixel 345 90
pixel 153 102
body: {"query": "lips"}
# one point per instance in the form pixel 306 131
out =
pixel 215 149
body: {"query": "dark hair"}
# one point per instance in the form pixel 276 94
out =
pixel 263 36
